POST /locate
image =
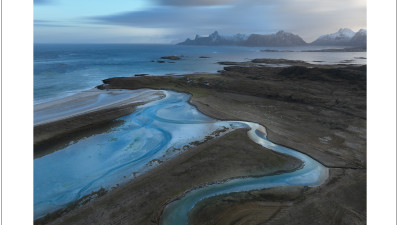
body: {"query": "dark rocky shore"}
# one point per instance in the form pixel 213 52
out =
pixel 320 111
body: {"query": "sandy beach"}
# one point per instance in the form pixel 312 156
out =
pixel 319 111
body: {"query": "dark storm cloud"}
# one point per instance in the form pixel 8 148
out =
pixel 231 19
pixel 157 17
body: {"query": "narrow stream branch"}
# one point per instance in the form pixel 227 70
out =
pixel 311 174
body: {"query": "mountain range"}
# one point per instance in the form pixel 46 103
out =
pixel 343 37
pixel 216 39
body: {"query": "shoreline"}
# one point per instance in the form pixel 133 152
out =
pixel 89 101
pixel 204 87
pixel 90 111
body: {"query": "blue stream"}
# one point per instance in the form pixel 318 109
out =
pixel 115 157
pixel 108 159
pixel 311 174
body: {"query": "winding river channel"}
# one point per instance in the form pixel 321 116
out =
pixel 155 132
pixel 311 174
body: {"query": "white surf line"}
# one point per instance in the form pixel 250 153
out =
pixel 311 174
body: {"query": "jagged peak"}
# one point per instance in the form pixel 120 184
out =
pixel 345 32
pixel 284 33
pixel 362 31
pixel 214 34
pixel 341 34
pixel 341 30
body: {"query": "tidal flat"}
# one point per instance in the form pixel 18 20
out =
pixel 319 111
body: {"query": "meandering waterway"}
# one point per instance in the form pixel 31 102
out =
pixel 311 174
pixel 155 132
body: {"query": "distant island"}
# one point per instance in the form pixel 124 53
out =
pixel 343 37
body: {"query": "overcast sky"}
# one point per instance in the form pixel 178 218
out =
pixel 172 21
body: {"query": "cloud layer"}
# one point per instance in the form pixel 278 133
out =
pixel 184 18
pixel 42 2
pixel 194 2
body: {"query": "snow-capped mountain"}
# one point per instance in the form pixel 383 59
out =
pixel 216 39
pixel 341 37
pixel 359 38
pixel 281 38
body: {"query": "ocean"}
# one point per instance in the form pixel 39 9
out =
pixel 61 70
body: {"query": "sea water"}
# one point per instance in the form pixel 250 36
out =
pixel 64 69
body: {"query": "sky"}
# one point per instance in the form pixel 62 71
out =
pixel 172 21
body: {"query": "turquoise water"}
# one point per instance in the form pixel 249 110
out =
pixel 109 159
pixel 64 69
pixel 311 174
pixel 151 133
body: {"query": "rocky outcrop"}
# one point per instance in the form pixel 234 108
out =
pixel 172 57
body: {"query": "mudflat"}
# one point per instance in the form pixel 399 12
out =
pixel 320 111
